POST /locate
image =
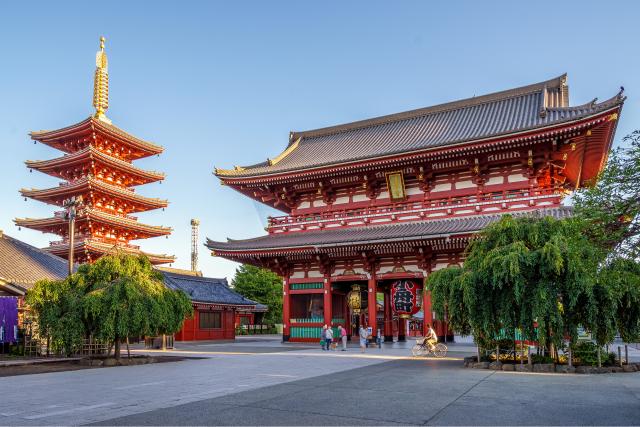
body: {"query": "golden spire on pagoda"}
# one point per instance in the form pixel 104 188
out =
pixel 101 84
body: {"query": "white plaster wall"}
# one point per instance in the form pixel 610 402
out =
pixel 465 184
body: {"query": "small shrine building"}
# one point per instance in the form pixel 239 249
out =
pixel 216 307
pixel 372 207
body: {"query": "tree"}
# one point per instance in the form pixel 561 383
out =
pixel 263 286
pixel 519 273
pixel 611 207
pixel 118 296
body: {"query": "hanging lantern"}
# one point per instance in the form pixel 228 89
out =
pixel 354 299
pixel 404 298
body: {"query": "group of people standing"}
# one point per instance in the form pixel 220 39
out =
pixel 327 339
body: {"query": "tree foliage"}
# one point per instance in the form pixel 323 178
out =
pixel 611 207
pixel 263 286
pixel 547 277
pixel 118 296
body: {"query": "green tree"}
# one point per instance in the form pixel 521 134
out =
pixel 611 207
pixel 118 296
pixel 522 272
pixel 263 286
pixel 58 310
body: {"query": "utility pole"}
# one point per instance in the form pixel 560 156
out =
pixel 72 205
pixel 195 223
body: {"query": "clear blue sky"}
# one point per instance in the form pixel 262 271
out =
pixel 223 83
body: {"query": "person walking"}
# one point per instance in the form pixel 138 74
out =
pixel 364 335
pixel 329 337
pixel 323 337
pixel 343 337
pixel 379 339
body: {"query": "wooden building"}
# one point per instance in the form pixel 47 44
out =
pixel 376 205
pixel 215 305
pixel 97 167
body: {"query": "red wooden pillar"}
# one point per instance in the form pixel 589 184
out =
pixel 371 304
pixel 402 329
pixel 388 329
pixel 286 310
pixel 328 312
pixel 426 309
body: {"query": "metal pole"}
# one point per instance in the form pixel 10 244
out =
pixel 599 358
pixel 71 237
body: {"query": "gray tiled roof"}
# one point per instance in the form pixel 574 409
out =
pixel 374 234
pixel 515 110
pixel 23 265
pixel 205 289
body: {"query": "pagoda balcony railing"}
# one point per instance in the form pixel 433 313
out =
pixel 82 237
pixel 433 206
pixel 63 214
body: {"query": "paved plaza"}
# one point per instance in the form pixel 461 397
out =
pixel 261 381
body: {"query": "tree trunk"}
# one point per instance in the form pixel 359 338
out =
pixel 117 348
pixel 128 351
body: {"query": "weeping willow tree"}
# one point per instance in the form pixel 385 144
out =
pixel 118 296
pixel 57 308
pixel 536 275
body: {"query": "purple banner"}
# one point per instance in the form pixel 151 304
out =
pixel 8 319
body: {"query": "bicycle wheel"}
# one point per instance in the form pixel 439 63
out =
pixel 440 350
pixel 417 350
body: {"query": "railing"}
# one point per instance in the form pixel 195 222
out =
pixel 305 286
pixel 415 206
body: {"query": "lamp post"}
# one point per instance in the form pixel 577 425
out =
pixel 72 205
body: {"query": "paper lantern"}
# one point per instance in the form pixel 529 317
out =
pixel 404 298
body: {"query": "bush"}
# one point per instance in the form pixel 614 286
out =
pixel 586 353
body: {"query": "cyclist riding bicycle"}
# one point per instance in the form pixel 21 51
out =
pixel 430 338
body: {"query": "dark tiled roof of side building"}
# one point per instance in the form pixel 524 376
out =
pixel 352 236
pixel 207 290
pixel 502 113
pixel 23 265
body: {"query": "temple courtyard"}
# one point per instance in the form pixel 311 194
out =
pixel 259 381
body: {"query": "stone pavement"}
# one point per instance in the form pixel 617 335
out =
pixel 266 382
pixel 409 392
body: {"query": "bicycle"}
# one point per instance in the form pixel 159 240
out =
pixel 421 348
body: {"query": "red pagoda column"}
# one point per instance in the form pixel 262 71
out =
pixel 426 309
pixel 328 315
pixel 286 310
pixel 388 329
pixel 371 304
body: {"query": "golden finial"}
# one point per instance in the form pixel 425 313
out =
pixel 101 84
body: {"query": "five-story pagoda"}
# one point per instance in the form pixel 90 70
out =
pixel 97 169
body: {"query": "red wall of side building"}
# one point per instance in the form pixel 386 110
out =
pixel 191 330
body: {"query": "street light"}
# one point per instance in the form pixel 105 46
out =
pixel 72 205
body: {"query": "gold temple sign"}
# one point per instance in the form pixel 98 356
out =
pixel 395 184
pixel 101 84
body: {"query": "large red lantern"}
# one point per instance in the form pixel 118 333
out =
pixel 404 298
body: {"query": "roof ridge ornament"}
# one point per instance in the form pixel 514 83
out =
pixel 101 84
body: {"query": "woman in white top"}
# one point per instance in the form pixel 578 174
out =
pixel 364 336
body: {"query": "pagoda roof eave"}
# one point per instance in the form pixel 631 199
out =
pixel 90 153
pixel 321 240
pixel 49 137
pixel 101 248
pixel 91 184
pixel 99 217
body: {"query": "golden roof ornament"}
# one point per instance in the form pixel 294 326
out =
pixel 101 84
